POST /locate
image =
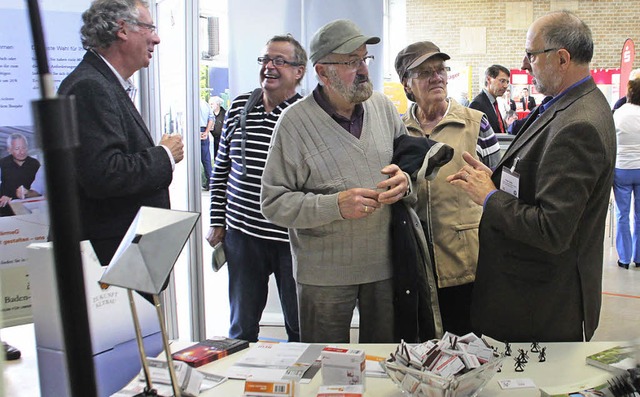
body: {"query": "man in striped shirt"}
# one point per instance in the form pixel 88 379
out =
pixel 255 247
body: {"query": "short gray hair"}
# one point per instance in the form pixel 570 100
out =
pixel 565 30
pixel 14 137
pixel 217 100
pixel 100 21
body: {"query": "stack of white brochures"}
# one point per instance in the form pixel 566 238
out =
pixel 268 360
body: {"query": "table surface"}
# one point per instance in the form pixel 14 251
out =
pixel 564 365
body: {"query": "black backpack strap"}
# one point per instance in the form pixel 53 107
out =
pixel 251 102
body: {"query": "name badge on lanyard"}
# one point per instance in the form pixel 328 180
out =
pixel 510 179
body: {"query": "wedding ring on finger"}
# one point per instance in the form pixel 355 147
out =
pixel 366 208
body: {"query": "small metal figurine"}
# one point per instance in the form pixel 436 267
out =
pixel 523 356
pixel 519 364
pixel 535 347
pixel 507 349
pixel 542 357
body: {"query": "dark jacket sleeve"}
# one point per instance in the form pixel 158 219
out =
pixel 116 157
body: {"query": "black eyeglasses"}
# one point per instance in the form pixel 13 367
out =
pixel 277 61
pixel 531 54
pixel 429 73
pixel 152 28
pixel 354 63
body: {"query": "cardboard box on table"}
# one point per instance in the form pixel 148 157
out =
pixel 115 351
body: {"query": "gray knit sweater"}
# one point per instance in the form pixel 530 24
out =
pixel 311 160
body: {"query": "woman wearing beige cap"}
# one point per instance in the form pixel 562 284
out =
pixel 448 214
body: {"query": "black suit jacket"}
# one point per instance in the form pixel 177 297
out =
pixel 539 275
pixel 119 166
pixel 532 103
pixel 482 103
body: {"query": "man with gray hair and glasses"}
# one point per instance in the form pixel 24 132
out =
pixel 120 168
pixel 539 274
pixel 329 180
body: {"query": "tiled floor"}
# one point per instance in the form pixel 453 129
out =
pixel 620 320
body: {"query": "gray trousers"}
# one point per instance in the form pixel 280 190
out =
pixel 326 311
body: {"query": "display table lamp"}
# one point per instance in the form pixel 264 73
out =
pixel 143 262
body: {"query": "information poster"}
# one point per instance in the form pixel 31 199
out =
pixel 24 220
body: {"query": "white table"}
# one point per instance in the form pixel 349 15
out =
pixel 565 365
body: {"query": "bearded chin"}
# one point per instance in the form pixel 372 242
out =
pixel 361 92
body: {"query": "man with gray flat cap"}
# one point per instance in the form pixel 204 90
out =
pixel 329 180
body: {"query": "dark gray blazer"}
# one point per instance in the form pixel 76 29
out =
pixel 531 101
pixel 119 166
pixel 540 264
pixel 482 103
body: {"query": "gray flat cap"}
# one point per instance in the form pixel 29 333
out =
pixel 339 37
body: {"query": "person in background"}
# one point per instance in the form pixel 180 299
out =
pixel 120 169
pixel 626 181
pixel 539 272
pixel 206 123
pixel 635 73
pixel 506 103
pixel 215 103
pixel 463 99
pixel 510 118
pixel 527 101
pixel 450 215
pixel 496 83
pixel 328 179
pixel 255 247
pixel 17 172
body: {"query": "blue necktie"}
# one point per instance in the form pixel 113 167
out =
pixel 541 108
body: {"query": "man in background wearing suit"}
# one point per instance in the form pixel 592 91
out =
pixel 119 167
pixel 528 102
pixel 496 83
pixel 539 272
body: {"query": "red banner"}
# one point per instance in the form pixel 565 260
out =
pixel 626 64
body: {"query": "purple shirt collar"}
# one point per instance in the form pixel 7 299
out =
pixel 352 125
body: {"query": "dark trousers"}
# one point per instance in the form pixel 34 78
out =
pixel 455 308
pixel 205 157
pixel 216 143
pixel 251 261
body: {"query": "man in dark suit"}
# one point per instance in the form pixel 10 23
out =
pixel 119 167
pixel 528 102
pixel 496 83
pixel 540 263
